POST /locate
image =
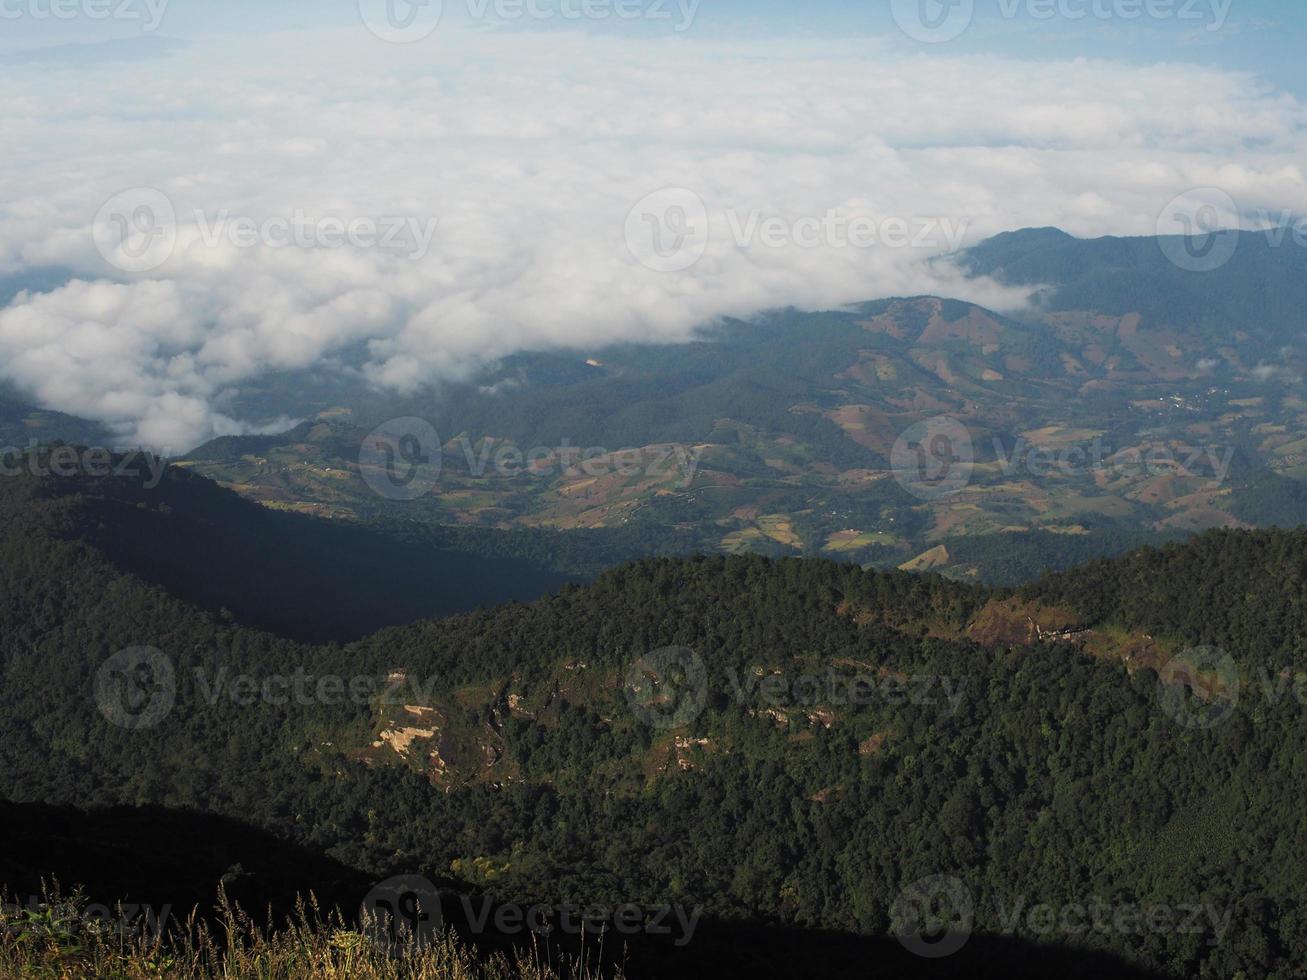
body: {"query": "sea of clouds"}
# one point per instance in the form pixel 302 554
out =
pixel 524 154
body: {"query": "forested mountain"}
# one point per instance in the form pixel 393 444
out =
pixel 1129 401
pixel 1243 591
pixel 288 573
pixel 791 746
pixel 23 427
pixel 1259 291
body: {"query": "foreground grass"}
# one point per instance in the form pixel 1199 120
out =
pixel 56 939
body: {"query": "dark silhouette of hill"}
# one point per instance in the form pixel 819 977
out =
pixel 175 859
pixel 158 857
pixel 298 576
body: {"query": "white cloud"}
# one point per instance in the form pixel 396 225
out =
pixel 530 151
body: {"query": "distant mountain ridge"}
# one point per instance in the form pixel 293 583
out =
pixel 791 420
pixel 1261 289
pixel 794 416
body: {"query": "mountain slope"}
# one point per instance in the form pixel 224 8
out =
pixel 1129 402
pixel 824 738
pixel 22 426
pixel 312 579
pixel 1261 290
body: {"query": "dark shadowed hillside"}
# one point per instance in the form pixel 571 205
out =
pixel 795 743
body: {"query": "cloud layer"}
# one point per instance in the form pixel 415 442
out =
pixel 529 152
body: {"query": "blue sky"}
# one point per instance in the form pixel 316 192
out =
pixel 1262 36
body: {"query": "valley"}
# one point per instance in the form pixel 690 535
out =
pixel 1094 421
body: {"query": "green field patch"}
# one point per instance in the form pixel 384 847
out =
pixel 847 541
